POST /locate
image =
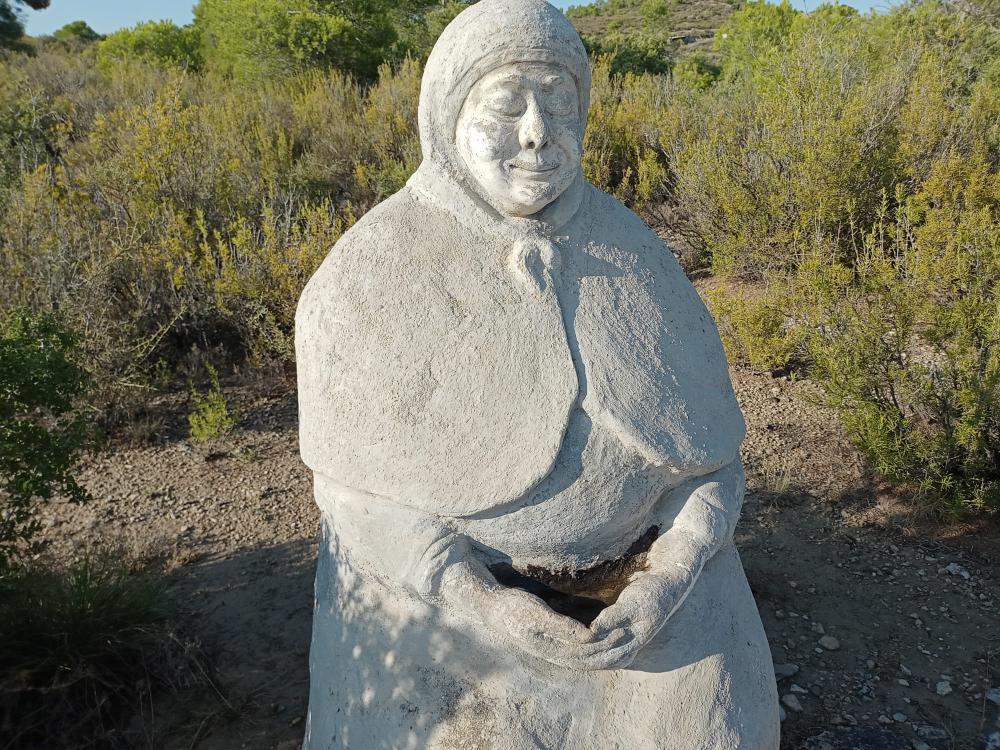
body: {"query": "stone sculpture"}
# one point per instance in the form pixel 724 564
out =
pixel 525 443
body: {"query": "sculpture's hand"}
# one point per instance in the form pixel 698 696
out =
pixel 675 561
pixel 522 618
pixel 641 610
pixel 449 570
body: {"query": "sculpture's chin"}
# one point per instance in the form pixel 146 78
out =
pixel 526 212
pixel 528 200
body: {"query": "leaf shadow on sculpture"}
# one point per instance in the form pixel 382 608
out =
pixel 386 676
pixel 384 667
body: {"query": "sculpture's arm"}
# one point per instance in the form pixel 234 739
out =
pixel 440 566
pixel 446 571
pixel 705 523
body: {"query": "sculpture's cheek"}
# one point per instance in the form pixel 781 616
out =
pixel 489 141
pixel 567 137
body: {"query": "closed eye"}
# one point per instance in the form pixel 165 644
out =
pixel 506 105
pixel 559 105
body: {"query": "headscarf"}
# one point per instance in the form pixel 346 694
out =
pixel 482 38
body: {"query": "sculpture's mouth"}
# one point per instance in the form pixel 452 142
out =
pixel 532 170
pixel 580 594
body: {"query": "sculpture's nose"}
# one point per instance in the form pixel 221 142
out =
pixel 534 132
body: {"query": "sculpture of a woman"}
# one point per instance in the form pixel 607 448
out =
pixel 525 444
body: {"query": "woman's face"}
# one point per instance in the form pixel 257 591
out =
pixel 519 135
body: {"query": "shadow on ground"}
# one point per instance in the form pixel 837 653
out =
pixel 252 613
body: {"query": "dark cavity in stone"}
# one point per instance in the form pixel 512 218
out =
pixel 580 594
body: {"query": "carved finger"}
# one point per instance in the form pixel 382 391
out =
pixel 605 643
pixel 616 658
pixel 534 614
pixel 612 618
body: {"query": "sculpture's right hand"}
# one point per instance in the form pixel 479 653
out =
pixel 521 618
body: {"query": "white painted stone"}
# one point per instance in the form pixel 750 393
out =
pixel 501 365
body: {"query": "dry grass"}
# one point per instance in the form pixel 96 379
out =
pixel 85 652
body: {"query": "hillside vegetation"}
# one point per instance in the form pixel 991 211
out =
pixel 168 191
pixel 689 24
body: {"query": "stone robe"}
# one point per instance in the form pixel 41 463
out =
pixel 550 388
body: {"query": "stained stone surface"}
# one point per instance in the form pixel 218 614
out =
pixel 524 441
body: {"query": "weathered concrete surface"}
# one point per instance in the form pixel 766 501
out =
pixel 502 369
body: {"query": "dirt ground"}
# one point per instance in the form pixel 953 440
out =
pixel 875 620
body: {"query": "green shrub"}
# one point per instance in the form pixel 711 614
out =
pixel 884 255
pixel 696 72
pixel 754 33
pixel 625 150
pixel 158 42
pixel 267 38
pixel 211 418
pixel 909 348
pixel 194 215
pixel 794 149
pixel 757 325
pixel 43 430
pixel 391 147
pixel 76 32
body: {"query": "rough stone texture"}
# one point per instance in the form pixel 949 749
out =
pixel 502 368
pixel 856 739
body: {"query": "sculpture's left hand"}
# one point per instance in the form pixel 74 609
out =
pixel 704 523
pixel 641 610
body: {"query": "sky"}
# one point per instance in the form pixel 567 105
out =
pixel 109 15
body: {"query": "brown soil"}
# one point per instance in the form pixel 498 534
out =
pixel 826 551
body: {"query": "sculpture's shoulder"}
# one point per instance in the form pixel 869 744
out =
pixel 655 332
pixel 622 237
pixel 386 243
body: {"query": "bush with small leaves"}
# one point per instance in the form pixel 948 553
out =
pixel 43 429
pixel 211 418
pixel 85 649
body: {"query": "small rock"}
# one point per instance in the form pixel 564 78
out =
pixel 920 745
pixel 829 643
pixel 899 716
pixel 957 570
pixel 943 688
pixel 797 689
pixel 818 629
pixel 855 738
pixel 993 695
pixel 792 702
pixel 992 742
pixel 784 671
pixel 927 732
